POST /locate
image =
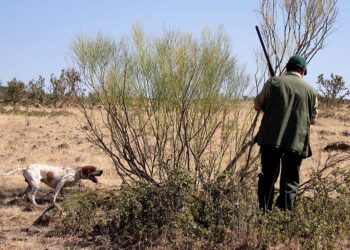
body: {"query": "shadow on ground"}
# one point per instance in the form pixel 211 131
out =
pixel 15 197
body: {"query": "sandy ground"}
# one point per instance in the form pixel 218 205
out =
pixel 60 141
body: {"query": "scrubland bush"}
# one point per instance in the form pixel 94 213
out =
pixel 221 215
pixel 62 90
pixel 15 91
pixel 170 102
pixel 333 90
pixel 36 91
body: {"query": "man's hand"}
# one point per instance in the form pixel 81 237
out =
pixel 257 107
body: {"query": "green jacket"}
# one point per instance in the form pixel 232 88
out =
pixel 289 104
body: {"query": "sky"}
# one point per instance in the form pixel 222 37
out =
pixel 36 35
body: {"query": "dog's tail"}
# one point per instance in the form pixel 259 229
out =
pixel 13 171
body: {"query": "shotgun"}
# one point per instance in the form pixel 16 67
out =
pixel 250 143
pixel 272 72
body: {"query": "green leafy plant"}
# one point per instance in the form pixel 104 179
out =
pixel 221 215
pixel 169 102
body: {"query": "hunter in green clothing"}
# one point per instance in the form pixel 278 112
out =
pixel 290 107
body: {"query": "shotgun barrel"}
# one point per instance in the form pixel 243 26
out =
pixel 272 72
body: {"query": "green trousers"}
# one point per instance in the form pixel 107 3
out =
pixel 274 161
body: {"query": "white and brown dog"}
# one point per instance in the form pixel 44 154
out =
pixel 55 177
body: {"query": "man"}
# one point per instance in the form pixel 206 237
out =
pixel 290 106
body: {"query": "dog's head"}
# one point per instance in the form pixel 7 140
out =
pixel 90 172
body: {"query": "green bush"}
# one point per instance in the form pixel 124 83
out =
pixel 135 215
pixel 223 214
pixel 36 91
pixel 333 91
pixel 15 91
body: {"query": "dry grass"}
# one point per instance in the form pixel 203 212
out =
pixel 330 127
pixel 56 140
pixel 59 140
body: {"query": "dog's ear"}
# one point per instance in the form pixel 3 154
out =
pixel 87 170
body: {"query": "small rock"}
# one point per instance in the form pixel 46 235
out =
pixel 341 146
pixel 29 208
pixel 31 230
pixel 79 158
pixel 19 239
pixel 22 159
pixel 2 195
pixel 344 118
pixel 63 146
pixel 2 237
pixel 326 114
pixel 325 132
pixel 85 127
pixel 345 133
pixel 17 201
pixel 48 215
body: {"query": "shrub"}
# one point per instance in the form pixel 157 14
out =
pixel 145 216
pixel 64 88
pixel 168 102
pixel 15 91
pixel 36 91
pixel 135 215
pixel 333 90
pixel 223 214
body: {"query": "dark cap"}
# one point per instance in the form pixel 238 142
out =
pixel 298 61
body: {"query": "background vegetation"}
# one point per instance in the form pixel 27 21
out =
pixel 334 90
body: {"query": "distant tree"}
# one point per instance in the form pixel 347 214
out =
pixel 295 27
pixel 36 92
pixel 2 92
pixel 15 91
pixel 333 90
pixel 64 87
pixel 72 79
